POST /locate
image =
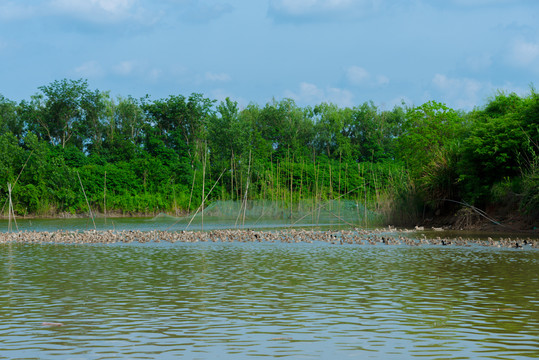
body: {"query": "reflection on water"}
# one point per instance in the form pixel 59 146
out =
pixel 242 300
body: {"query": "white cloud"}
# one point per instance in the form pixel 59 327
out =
pixel 89 69
pixel 479 2
pixel 203 11
pixel 462 93
pixel 479 62
pixel 10 10
pixel 112 7
pixel 222 77
pixel 155 74
pixel 382 80
pixel 93 11
pixel 310 94
pixel 358 76
pixel 101 11
pixel 524 53
pixel 124 68
pixel 397 101
pixel 222 94
pixel 285 10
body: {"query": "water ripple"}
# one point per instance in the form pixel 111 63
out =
pixel 235 300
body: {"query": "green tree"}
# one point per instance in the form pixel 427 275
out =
pixel 65 111
pixel 373 133
pixel 182 122
pixel 10 121
pixel 429 145
pixel 228 134
pixel 332 128
pixel 499 145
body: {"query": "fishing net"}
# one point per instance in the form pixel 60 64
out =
pixel 273 214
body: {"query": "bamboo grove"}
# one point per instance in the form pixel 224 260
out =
pixel 147 156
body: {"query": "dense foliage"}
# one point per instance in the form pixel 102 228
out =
pixel 147 156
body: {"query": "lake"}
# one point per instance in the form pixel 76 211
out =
pixel 254 300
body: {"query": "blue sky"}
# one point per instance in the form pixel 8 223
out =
pixel 459 52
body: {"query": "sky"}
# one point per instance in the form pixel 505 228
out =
pixel 346 52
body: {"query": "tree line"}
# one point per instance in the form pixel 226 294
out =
pixel 148 156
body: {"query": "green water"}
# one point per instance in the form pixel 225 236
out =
pixel 247 300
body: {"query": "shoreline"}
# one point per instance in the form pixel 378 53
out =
pixel 381 237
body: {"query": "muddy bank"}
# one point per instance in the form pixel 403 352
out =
pixel 493 219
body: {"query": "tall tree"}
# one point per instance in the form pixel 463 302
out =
pixel 332 130
pixel 10 121
pixel 65 111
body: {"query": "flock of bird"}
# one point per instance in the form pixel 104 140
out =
pixel 388 236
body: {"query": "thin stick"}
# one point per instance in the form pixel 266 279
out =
pixel 200 204
pixel 323 205
pixel 89 208
pixel 246 189
pixel 203 181
pixel 192 187
pixel 9 207
pixel 365 203
pixel 477 210
pixel 231 176
pixel 105 198
pixel 17 179
pixel 291 180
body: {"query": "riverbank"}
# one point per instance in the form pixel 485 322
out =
pixel 495 219
pixel 381 237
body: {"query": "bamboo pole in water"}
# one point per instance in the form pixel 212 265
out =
pixel 105 198
pixel 365 201
pixel 219 178
pixel 243 206
pixel 272 181
pixel 247 188
pixel 291 181
pixel 10 206
pixel 330 181
pixel 339 190
pixel 319 198
pixel 300 184
pixel 87 203
pixel 326 204
pixel 231 176
pixel 192 187
pixel 203 181
pixel 17 179
pixel 375 189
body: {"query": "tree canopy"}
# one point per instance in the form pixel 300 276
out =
pixel 154 152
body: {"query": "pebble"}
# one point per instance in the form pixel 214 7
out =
pixel 379 237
